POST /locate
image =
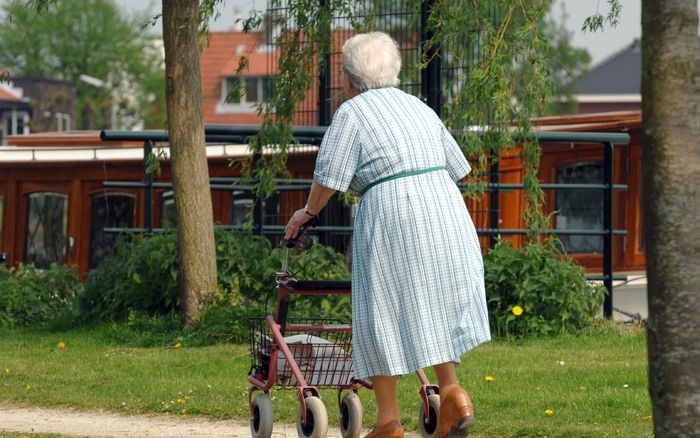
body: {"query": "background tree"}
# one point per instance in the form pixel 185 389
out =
pixel 70 38
pixel 671 200
pixel 195 221
pixel 569 64
pixel 183 24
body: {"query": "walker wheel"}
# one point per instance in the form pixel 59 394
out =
pixel 316 419
pixel 261 418
pixel 429 427
pixel 350 416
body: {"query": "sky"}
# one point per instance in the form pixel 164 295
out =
pixel 600 44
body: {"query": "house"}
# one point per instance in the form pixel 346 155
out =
pixel 53 103
pixel 54 206
pixel 15 111
pixel 219 65
pixel 614 84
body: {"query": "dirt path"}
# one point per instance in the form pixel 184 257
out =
pixel 106 424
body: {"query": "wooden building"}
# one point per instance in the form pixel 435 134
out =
pixel 54 205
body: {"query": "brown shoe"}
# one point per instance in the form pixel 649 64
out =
pixel 392 429
pixel 456 413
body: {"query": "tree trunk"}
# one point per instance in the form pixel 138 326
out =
pixel 195 224
pixel 671 184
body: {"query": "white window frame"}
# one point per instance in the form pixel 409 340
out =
pixel 244 106
pixel 14 117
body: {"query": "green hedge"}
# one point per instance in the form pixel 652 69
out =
pixel 139 284
pixel 37 297
pixel 548 287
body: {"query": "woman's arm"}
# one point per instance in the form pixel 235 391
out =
pixel 318 198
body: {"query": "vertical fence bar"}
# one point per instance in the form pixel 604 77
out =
pixel 608 169
pixel 494 204
pixel 324 83
pixel 148 193
pixel 430 75
pixel 259 205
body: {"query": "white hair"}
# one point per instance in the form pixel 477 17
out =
pixel 372 60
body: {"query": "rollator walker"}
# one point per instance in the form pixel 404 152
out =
pixel 312 353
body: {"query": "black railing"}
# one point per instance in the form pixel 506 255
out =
pixel 313 135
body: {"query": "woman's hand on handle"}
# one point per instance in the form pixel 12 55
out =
pixel 318 198
pixel 299 218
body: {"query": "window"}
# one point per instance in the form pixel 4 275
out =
pixel 109 210
pixel 15 123
pixel 580 209
pixel 247 90
pixel 240 207
pixel 47 225
pixel 243 202
pixel 641 243
pixel 168 216
pixel 2 199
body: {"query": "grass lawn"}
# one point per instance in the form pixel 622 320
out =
pixel 595 384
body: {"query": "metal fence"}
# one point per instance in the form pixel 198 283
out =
pixel 338 235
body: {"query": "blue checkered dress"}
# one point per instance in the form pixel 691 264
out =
pixel 417 274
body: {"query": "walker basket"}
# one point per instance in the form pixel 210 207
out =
pixel 322 353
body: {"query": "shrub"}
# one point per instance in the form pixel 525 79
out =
pixel 140 282
pixel 549 288
pixel 36 297
pixel 141 274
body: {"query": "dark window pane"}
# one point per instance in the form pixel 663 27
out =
pixel 47 223
pixel 269 89
pixel 251 90
pixel 580 209
pixel 168 216
pixel 272 210
pixel 241 204
pixel 232 90
pixel 110 210
pixel 2 199
pixel 640 230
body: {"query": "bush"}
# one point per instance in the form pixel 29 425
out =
pixel 549 289
pixel 141 274
pixel 140 282
pixel 35 297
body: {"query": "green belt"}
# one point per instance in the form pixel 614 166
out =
pixel 402 175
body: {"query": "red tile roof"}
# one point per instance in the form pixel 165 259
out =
pixel 219 60
pixel 7 94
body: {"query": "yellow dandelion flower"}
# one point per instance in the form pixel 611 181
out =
pixel 517 310
pixel 181 401
pixel 7 371
pixel 548 412
pixel 178 345
pixel 28 387
pixel 489 378
pixel 61 345
pixel 647 418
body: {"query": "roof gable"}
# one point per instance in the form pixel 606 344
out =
pixel 621 73
pixel 8 93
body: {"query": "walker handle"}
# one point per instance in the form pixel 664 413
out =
pixel 302 240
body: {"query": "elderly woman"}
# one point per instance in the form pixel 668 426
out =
pixel 417 273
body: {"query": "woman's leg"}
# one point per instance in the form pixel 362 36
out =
pixel 387 401
pixel 446 374
pixel 456 411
